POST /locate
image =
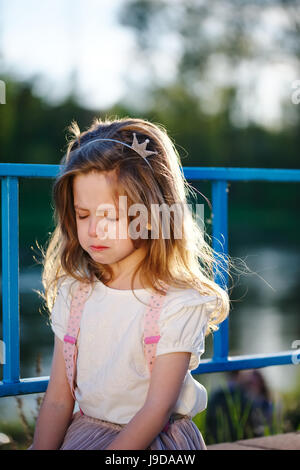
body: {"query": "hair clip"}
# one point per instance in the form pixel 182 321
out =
pixel 140 148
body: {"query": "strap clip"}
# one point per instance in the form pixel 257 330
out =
pixel 69 339
pixel 151 339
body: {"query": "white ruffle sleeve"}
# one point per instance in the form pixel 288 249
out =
pixel 61 310
pixel 182 325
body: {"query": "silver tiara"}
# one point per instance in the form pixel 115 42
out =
pixel 141 148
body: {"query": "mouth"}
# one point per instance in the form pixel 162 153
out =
pixel 99 247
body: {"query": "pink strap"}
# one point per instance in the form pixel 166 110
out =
pixel 70 339
pixel 151 331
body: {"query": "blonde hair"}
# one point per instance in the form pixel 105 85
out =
pixel 185 262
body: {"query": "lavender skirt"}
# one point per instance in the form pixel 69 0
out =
pixel 86 433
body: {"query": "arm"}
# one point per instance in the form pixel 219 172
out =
pixel 166 380
pixel 57 407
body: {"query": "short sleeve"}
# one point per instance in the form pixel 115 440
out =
pixel 183 328
pixel 60 311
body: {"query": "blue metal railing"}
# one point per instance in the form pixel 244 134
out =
pixel 10 173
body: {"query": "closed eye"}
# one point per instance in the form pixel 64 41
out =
pixel 85 216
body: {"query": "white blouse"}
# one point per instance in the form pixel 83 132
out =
pixel 112 373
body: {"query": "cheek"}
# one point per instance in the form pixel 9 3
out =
pixel 113 230
pixel 80 232
pixel 125 247
pixel 122 229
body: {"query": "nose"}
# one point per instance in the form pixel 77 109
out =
pixel 98 228
pixel 92 227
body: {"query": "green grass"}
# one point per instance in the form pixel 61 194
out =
pixel 286 418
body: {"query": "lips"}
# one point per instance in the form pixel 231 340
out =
pixel 98 246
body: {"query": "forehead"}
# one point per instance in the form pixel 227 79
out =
pixel 94 188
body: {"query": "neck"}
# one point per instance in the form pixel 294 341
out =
pixel 123 271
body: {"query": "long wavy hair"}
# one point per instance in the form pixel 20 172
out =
pixel 185 262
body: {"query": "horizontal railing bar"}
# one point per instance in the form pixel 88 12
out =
pixel 242 174
pixel 37 170
pixel 24 386
pixel 29 170
pixel 252 361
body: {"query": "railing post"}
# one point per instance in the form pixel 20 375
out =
pixel 10 278
pixel 220 245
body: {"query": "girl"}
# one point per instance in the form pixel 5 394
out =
pixel 130 307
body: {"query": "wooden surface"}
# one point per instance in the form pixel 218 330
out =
pixel 289 441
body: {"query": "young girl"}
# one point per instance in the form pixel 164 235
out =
pixel 131 302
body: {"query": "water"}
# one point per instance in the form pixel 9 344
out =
pixel 267 320
pixel 264 319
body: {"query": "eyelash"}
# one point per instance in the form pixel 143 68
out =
pixel 84 217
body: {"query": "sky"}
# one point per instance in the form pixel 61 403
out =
pixel 52 39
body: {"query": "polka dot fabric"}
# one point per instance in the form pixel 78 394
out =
pixel 151 331
pixel 70 339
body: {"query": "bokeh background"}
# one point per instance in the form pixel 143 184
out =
pixel 223 78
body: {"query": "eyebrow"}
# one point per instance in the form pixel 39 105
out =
pixel 77 207
pixel 81 208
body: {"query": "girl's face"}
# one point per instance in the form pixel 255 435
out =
pixel 99 222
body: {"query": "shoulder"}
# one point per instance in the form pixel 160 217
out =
pixel 177 299
pixel 66 287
